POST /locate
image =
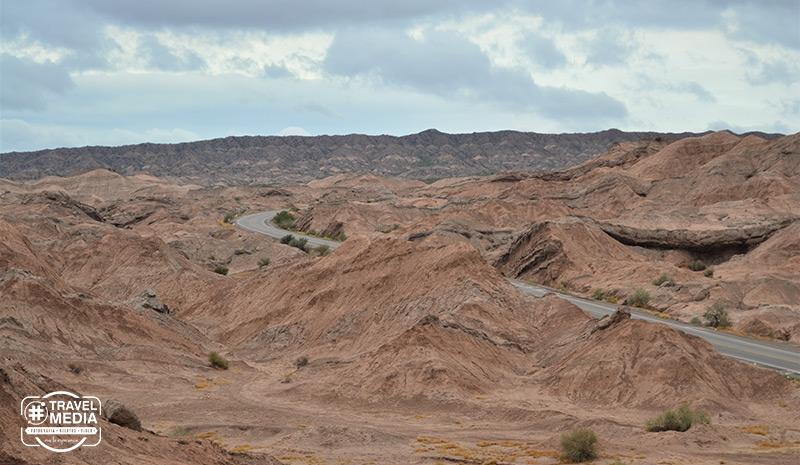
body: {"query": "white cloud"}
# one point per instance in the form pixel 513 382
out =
pixel 293 131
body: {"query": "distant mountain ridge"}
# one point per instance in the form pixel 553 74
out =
pixel 290 159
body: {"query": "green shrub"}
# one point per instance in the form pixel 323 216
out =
pixel 287 239
pixel 322 250
pixel 232 216
pixel 218 361
pixel 697 265
pixel 284 220
pixel 221 269
pixel 716 316
pixel 341 237
pixel 695 321
pixel 579 445
pixel 299 243
pixel 312 232
pixel 563 285
pixel 639 298
pixel 680 419
pixel 598 294
pixel 264 262
pixel 75 368
pixel 301 362
pixel 611 299
pixel 709 272
pixel 663 279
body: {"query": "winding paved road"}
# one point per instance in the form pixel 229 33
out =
pixel 782 357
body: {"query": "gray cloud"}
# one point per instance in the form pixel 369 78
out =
pixel 277 72
pixel 612 46
pixel 26 84
pixel 543 52
pixel 161 57
pixel 447 64
pixel 697 90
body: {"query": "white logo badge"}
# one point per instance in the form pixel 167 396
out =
pixel 60 421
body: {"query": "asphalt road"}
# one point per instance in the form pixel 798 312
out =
pixel 782 357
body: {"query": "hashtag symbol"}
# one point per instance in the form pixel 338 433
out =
pixel 36 413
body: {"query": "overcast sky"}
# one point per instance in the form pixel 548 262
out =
pixel 102 72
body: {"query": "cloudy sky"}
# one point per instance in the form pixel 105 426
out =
pixel 102 72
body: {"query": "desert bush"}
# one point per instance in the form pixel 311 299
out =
pixel 709 272
pixel 716 316
pixel 611 299
pixel 299 243
pixel 264 262
pixel 75 368
pixel 639 298
pixel 287 239
pixel 663 279
pixel 598 294
pixel 680 419
pixel 563 285
pixel 696 321
pixel 221 269
pixel 312 232
pixel 301 362
pixel 322 250
pixel 579 445
pixel 697 265
pixel 232 216
pixel 218 361
pixel 284 220
pixel 341 237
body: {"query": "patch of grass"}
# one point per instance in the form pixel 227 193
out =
pixel 664 279
pixel 611 299
pixel 221 269
pixel 680 419
pixel 264 262
pixel 761 430
pixel 75 368
pixel 301 362
pixel 579 445
pixel 597 294
pixel 716 316
pixel 639 298
pixel 218 361
pixel 697 265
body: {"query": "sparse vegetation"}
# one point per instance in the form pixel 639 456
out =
pixel 75 368
pixel 709 272
pixel 341 237
pixel 322 250
pixel 716 316
pixel 697 265
pixel 611 299
pixel 232 216
pixel 301 362
pixel 664 279
pixel 680 419
pixel 264 262
pixel 284 220
pixel 312 232
pixel 563 285
pixel 221 269
pixel 299 243
pixel 696 321
pixel 579 445
pixel 286 239
pixel 217 361
pixel 640 298
pixel 598 294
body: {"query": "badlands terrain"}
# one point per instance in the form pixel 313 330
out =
pixel 418 349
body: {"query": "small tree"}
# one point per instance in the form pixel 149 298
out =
pixel 716 316
pixel 263 262
pixel 579 445
pixel 221 269
pixel 218 361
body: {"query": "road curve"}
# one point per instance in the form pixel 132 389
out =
pixel 784 358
